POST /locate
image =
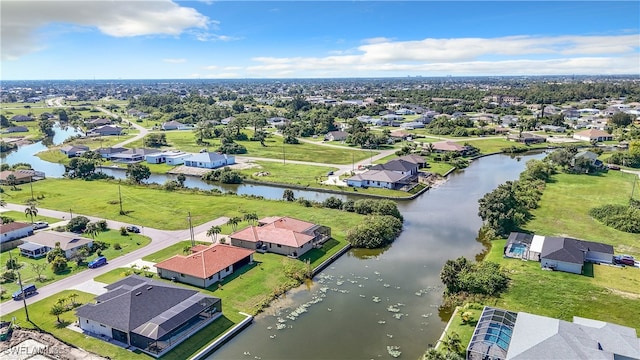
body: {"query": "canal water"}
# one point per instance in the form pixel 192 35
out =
pixel 367 304
pixel 367 301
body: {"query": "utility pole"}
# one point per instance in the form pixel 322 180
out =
pixel 24 297
pixel 283 154
pixel 31 185
pixel 70 214
pixel 353 163
pixel 193 240
pixel 120 196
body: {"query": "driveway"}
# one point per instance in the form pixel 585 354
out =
pixel 160 239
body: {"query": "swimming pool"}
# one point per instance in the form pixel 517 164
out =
pixel 499 335
pixel 518 249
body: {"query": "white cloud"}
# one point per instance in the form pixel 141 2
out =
pixel 210 67
pixel 175 61
pixel 376 40
pixel 22 19
pixel 232 68
pixel 487 56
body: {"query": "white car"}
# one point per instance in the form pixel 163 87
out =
pixel 40 225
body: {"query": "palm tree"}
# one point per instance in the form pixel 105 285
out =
pixel 250 217
pixel 61 301
pixel 31 211
pixel 234 221
pixel 186 249
pixel 213 232
pixel 72 298
pixel 430 148
pixel 92 229
pixel 145 268
pixel 57 310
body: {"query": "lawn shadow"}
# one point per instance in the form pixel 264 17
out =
pixel 199 339
pixel 236 273
pixel 314 254
pixel 62 324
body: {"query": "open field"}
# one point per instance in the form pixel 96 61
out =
pixel 20 217
pixel 612 294
pixel 127 243
pixel 565 203
pixel 163 209
pixel 302 175
pixel 185 141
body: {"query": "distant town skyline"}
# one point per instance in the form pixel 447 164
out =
pixel 162 39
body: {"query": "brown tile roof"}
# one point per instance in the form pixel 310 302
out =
pixel 197 248
pixel 593 133
pixel 277 230
pixel 283 222
pixel 449 146
pixel 207 262
pixel 5 228
pixel 19 175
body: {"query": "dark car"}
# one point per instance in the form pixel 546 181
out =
pixel 26 291
pixel 624 260
pixel 330 173
pixel 133 229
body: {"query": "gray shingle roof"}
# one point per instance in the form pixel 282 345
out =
pixel 395 165
pixel 147 307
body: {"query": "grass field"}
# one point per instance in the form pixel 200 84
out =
pixel 303 175
pixel 163 209
pixel 185 141
pixel 127 243
pixel 19 216
pixel 612 294
pixel 565 204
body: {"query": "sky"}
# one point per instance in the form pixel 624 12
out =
pixel 165 39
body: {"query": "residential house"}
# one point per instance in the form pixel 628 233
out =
pixel 400 135
pixel 364 118
pixel 392 117
pixel 150 315
pixel 508 120
pixel 415 159
pixel 227 120
pixel 412 125
pixel 74 150
pixel 105 130
pixel 593 135
pixel 98 122
pixel 177 159
pixel 161 157
pixel 15 129
pixel 553 128
pixel 176 125
pixel 425 119
pixel 206 266
pixel 282 235
pixel 106 153
pixel 379 178
pixel 40 243
pixel 209 160
pixel 400 166
pixel 592 159
pixel 336 136
pixel 277 121
pixel 378 122
pixel 133 155
pixel 451 146
pixel 21 118
pixel 502 335
pixel 526 138
pixel 20 177
pixel 15 230
pixel 404 112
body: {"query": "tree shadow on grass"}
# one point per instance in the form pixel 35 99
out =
pixel 62 324
pixel 587 269
pixel 236 273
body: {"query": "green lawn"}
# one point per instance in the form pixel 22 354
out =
pixel 185 141
pixel 127 243
pixel 462 328
pixel 565 203
pixel 296 174
pixel 19 216
pixel 168 252
pixel 163 209
pixel 612 294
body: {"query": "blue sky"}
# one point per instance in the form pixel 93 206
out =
pixel 163 39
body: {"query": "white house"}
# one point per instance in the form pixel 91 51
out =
pixel 161 157
pixel 15 230
pixel 378 178
pixel 42 242
pixel 209 160
pixel 593 134
pixel 177 159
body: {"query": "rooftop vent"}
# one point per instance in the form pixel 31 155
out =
pixel 138 293
pixel 150 287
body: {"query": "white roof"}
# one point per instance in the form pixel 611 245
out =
pixel 536 243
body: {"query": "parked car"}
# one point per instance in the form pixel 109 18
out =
pixel 133 229
pixel 26 291
pixel 330 173
pixel 40 225
pixel 613 167
pixel 97 262
pixel 624 260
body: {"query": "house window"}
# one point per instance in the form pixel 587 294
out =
pixel 279 245
pixel 181 275
pixel 228 268
pixel 87 321
pixel 211 277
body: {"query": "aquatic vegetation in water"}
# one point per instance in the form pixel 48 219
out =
pixel 394 351
pixel 376 299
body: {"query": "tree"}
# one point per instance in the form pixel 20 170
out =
pixel 57 310
pixel 138 172
pixel 288 195
pixel 250 217
pixel 12 264
pixel 213 232
pixel 11 181
pixel 155 140
pixel 453 343
pixel 144 269
pixel 375 231
pixel 92 229
pixel 80 167
pixel 501 210
pixel 78 224
pixel 186 249
pixel 59 264
pixel 234 221
pixel 39 269
pixel 621 119
pixel 332 202
pixel 450 271
pixel 31 211
pixel 181 179
pixel 72 297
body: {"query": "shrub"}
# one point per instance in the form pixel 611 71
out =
pixel 117 246
pixel 620 217
pixel 375 232
pixel 77 224
pixel 102 225
pixel 332 202
pixel 12 264
pixel 9 276
pixel 59 264
pixel 463 276
pixel 123 231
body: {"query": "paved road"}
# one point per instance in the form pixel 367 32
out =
pixel 142 129
pixel 160 239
